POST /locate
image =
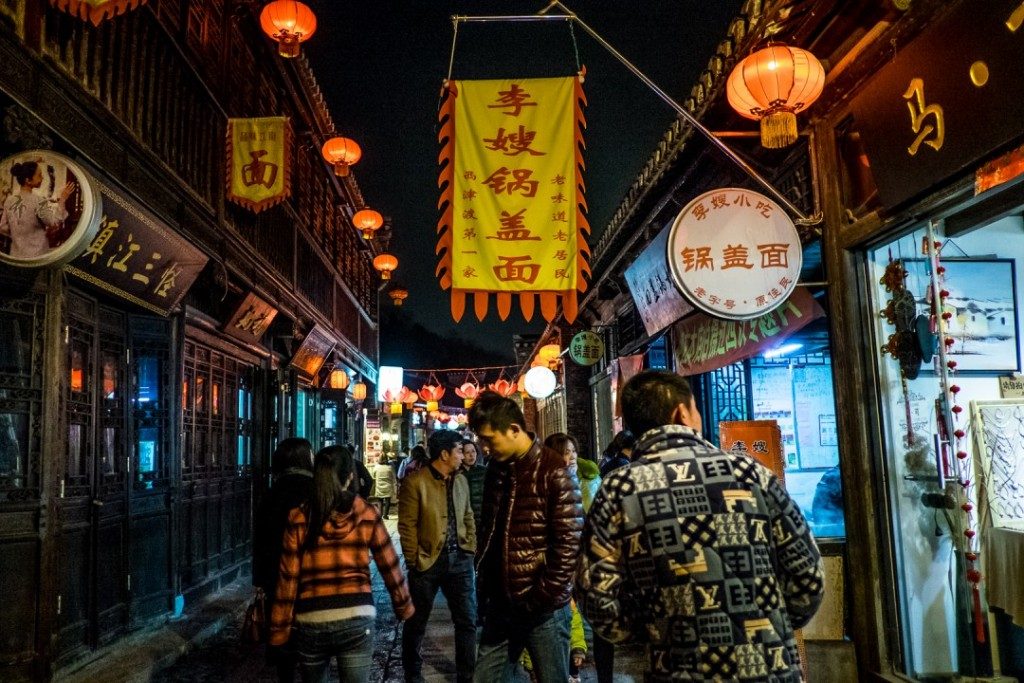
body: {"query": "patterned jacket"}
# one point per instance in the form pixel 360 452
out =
pixel 331 581
pixel 703 556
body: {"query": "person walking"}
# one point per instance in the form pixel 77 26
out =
pixel 729 565
pixel 438 535
pixel 584 470
pixel 385 486
pixel 417 458
pixel 291 467
pixel 531 522
pixel 474 471
pixel 323 602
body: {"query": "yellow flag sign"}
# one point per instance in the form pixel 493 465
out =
pixel 513 209
pixel 259 161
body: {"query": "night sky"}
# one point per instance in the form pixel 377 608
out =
pixel 380 64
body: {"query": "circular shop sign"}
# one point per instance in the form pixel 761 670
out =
pixel 734 253
pixel 586 348
pixel 51 209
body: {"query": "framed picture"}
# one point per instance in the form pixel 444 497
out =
pixel 983 302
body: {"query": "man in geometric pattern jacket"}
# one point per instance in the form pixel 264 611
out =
pixel 698 553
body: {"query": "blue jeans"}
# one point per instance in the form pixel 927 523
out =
pixel 454 575
pixel 545 637
pixel 349 640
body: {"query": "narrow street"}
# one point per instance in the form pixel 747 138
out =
pixel 224 658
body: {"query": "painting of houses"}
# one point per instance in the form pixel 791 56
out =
pixel 982 304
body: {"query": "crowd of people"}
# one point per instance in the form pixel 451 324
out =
pixel 698 554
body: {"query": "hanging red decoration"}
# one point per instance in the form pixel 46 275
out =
pixel 341 153
pixel 468 393
pixel 367 221
pixel 358 391
pixel 772 86
pixel 385 263
pixel 338 379
pixel 432 394
pixel 289 23
pixel 398 295
pixel 95 11
pixel 504 387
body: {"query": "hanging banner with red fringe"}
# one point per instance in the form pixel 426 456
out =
pixel 259 164
pixel 513 212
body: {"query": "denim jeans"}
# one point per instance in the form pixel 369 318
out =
pixel 454 575
pixel 545 637
pixel 349 640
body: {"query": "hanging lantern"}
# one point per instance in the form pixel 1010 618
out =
pixel 289 23
pixel 96 10
pixel 358 391
pixel 503 387
pixel 398 295
pixel 385 263
pixel 468 393
pixel 338 379
pixel 407 396
pixel 341 153
pixel 549 352
pixel 367 221
pixel 432 394
pixel 395 408
pixel 772 86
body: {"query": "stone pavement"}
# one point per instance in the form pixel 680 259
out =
pixel 224 658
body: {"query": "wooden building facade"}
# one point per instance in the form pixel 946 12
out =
pixel 134 445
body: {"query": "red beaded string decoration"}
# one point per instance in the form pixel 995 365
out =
pixel 971 540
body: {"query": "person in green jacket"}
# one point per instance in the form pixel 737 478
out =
pixel 586 471
pixel 474 472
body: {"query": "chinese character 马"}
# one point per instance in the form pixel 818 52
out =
pixel 919 113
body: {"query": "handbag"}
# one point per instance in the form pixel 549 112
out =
pixel 254 628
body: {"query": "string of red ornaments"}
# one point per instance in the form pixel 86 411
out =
pixel 966 482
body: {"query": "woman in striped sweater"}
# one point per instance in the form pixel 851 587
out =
pixel 323 599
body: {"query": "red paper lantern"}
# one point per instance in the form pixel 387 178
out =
pixel 385 263
pixel 96 11
pixel 367 221
pixel 398 295
pixel 432 394
pixel 289 23
pixel 772 86
pixel 504 387
pixel 358 391
pixel 468 393
pixel 341 153
pixel 339 379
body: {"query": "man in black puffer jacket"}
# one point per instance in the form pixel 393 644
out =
pixel 531 521
pixel 292 469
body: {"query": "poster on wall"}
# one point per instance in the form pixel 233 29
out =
pixel 815 415
pixel 251 319
pixel 51 209
pixel 374 441
pixel 655 294
pixel 313 352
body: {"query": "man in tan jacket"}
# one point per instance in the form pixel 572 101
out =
pixel 438 534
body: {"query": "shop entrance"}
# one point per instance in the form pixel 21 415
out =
pixel 113 504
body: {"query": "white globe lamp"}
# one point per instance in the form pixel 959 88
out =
pixel 540 382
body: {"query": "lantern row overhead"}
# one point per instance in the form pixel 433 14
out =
pixel 290 23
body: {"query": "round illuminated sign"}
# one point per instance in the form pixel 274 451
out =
pixel 586 348
pixel 51 209
pixel 540 382
pixel 734 253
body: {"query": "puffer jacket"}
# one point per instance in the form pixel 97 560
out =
pixel 540 535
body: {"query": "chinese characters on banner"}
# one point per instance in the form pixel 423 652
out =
pixel 734 253
pixel 137 258
pixel 656 296
pixel 703 343
pixel 259 162
pixel 512 195
pixel 946 101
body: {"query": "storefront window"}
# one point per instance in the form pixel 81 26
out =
pixel 932 471
pixel 148 423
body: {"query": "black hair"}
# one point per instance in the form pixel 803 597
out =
pixel 650 398
pixel 559 441
pixel 24 171
pixel 418 453
pixel 292 453
pixel 624 440
pixel 331 469
pixel 493 410
pixel 442 440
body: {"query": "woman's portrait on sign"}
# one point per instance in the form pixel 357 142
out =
pixel 49 209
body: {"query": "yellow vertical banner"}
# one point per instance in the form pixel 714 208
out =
pixel 259 161
pixel 512 194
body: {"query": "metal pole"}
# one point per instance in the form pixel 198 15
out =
pixel 569 15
